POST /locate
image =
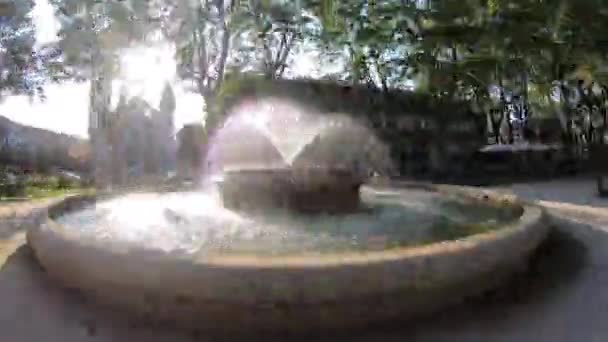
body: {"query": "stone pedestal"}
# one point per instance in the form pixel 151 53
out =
pixel 303 189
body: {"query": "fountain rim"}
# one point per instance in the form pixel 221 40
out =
pixel 529 218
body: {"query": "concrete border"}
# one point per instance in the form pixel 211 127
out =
pixel 299 293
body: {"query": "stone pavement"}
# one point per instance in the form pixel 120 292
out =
pixel 564 296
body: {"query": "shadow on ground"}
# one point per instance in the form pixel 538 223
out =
pixel 554 267
pixel 35 309
pixel 578 191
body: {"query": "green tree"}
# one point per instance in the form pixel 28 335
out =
pixel 20 65
pixel 465 49
pixel 93 32
pixel 268 32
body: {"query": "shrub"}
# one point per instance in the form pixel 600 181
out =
pixel 12 189
pixel 64 183
pixel 40 181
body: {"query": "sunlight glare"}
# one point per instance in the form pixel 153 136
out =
pixel 145 70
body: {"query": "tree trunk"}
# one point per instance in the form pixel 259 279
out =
pixel 604 112
pixel 510 139
pixel 525 106
pixel 503 107
pixel 438 153
pixel 496 126
pixel 287 41
pixel 221 64
pixel 565 113
pixel 100 118
pixel 209 85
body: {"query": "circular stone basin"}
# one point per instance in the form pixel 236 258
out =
pixel 186 259
pixel 303 189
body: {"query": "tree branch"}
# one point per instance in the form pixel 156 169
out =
pixel 221 65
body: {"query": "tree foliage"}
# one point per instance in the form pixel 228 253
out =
pixel 20 66
pixel 511 59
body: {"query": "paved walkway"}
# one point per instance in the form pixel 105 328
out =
pixel 576 191
pixel 563 298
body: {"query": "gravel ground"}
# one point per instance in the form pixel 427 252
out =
pixel 563 297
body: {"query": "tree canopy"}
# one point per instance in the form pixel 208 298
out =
pixel 512 60
pixel 20 66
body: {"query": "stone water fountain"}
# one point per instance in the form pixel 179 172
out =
pixel 279 246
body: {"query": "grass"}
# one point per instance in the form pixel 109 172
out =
pixel 38 193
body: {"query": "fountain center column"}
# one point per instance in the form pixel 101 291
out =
pixel 300 189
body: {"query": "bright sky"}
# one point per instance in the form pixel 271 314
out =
pixel 66 107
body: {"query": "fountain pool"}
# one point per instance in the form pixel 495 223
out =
pixel 196 223
pixel 184 259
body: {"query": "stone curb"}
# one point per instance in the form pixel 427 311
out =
pixel 300 293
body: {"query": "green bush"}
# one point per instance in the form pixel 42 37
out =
pixel 64 183
pixel 40 181
pixel 12 190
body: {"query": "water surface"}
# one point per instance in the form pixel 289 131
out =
pixel 196 222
